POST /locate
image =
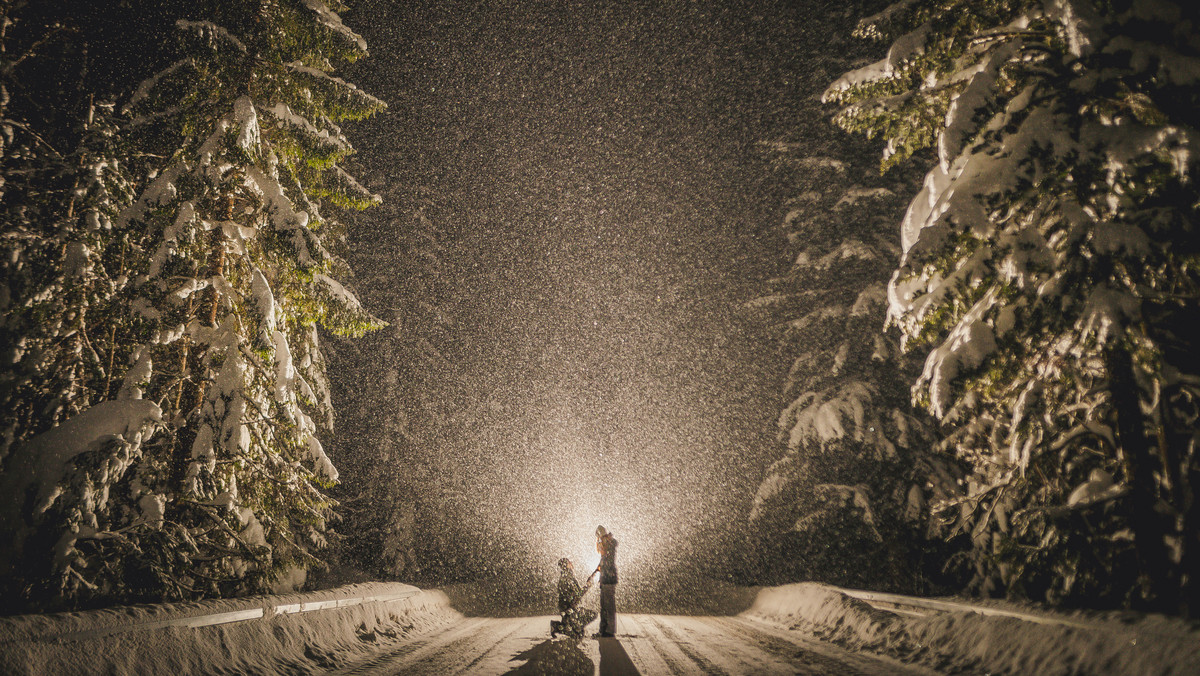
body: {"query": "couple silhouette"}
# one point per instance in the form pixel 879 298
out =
pixel 567 657
pixel 570 592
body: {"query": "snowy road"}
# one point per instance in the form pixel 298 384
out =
pixel 645 644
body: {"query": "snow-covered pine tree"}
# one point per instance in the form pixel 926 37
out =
pixel 64 266
pixel 1049 276
pixel 846 501
pixel 402 415
pixel 228 274
pixel 240 273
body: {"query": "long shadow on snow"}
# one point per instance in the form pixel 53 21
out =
pixel 554 657
pixel 566 657
pixel 614 661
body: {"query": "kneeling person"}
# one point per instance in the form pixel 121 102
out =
pixel 574 618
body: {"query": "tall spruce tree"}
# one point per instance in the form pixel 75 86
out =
pixel 241 274
pixel 846 501
pixel 202 472
pixel 1049 277
pixel 403 415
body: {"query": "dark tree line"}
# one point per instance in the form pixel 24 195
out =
pixel 847 500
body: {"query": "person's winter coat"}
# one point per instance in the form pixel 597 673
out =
pixel 606 545
pixel 569 591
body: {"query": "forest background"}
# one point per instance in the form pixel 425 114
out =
pixel 986 380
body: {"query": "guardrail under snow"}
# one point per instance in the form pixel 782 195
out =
pixel 295 633
pixel 95 623
pixel 907 604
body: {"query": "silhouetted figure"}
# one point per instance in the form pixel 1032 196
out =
pixel 574 618
pixel 606 545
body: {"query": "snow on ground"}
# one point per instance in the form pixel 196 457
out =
pixel 311 642
pixel 799 628
pixel 673 596
pixel 970 642
pixel 646 645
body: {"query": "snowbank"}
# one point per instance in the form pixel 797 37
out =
pixel 994 638
pixel 294 633
pixel 826 612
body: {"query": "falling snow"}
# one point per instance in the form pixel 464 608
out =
pixel 574 219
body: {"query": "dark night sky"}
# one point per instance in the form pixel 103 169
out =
pixel 599 165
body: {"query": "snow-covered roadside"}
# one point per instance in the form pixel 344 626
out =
pixel 133 639
pixel 965 641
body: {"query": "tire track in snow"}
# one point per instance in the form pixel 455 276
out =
pixel 666 638
pixel 654 644
pixel 462 656
pixel 649 656
pixel 488 653
pixel 716 653
pixel 737 653
pixel 828 654
pixel 806 657
pixel 504 655
pixel 394 658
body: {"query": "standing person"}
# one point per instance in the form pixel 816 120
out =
pixel 606 545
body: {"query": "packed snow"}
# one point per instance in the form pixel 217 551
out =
pixel 798 628
pixel 279 636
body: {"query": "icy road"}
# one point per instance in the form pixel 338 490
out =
pixel 645 644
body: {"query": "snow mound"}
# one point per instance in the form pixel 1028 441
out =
pixel 825 611
pixel 1145 646
pixel 986 637
pixel 292 641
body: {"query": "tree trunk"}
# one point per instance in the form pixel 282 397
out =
pixel 1139 457
pixel 1175 439
pixel 194 385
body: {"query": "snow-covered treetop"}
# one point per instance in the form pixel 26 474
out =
pixel 948 59
pixel 1014 95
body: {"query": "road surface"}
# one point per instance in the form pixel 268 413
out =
pixel 645 644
